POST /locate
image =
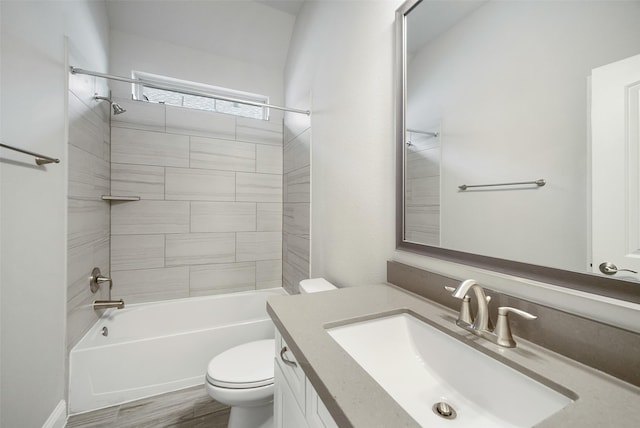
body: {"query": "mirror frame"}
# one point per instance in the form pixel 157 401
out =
pixel 585 282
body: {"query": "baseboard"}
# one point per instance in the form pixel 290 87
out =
pixel 57 418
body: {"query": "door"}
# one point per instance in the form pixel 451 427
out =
pixel 615 153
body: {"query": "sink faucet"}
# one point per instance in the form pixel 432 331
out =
pixel 481 321
pixel 480 326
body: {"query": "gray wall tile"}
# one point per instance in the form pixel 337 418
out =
pixel 297 197
pixel 296 219
pixel 137 252
pixel 297 153
pixel 199 185
pixel 222 278
pixel 219 154
pixel 297 185
pixel 269 217
pixel 268 274
pixel 223 216
pixel 252 246
pixel 80 261
pixel 258 187
pixel 88 174
pixel 200 248
pixel 260 131
pixel 149 148
pixel 268 159
pixel 88 130
pixel 145 285
pixel 145 217
pixel 88 221
pixel 201 123
pixel 88 216
pixel 137 180
pixel 206 195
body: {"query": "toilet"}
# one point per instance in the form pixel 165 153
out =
pixel 242 376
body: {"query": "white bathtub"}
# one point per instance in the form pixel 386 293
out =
pixel 153 348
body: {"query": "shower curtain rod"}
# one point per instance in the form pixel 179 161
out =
pixel 149 84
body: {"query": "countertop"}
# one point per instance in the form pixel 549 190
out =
pixel 354 399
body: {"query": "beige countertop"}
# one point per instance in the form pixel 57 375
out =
pixel 354 399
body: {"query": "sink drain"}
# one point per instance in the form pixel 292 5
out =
pixel 444 410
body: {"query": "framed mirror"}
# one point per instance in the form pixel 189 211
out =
pixel 505 138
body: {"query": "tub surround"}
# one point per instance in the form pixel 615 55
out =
pixel 88 216
pixel 593 343
pixel 296 226
pixel 210 216
pixel 355 399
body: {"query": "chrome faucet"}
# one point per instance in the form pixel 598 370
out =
pixel 481 321
pixel 105 304
pixel 95 281
pixel 481 325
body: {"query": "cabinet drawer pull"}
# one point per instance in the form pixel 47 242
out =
pixel 285 359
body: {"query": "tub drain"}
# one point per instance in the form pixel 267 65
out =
pixel 444 410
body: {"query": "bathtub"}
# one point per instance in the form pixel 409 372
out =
pixel 153 348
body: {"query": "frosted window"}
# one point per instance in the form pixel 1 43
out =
pixel 175 98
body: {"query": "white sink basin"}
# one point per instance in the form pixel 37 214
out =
pixel 419 366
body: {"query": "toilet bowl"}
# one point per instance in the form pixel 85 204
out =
pixel 242 376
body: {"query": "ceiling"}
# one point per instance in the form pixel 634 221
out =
pixel 252 31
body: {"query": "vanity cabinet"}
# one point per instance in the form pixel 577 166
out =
pixel 296 403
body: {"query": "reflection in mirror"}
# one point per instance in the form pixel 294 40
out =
pixel 500 92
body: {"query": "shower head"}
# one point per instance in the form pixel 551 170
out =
pixel 117 108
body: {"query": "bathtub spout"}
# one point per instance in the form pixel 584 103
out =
pixel 105 304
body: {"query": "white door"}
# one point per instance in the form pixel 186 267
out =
pixel 615 122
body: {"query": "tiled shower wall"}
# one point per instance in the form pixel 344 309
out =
pixel 422 198
pixel 297 201
pixel 88 214
pixel 210 216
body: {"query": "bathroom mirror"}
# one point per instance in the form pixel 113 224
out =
pixel 497 95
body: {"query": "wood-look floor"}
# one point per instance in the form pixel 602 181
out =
pixel 187 408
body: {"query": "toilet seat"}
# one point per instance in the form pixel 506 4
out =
pixel 249 365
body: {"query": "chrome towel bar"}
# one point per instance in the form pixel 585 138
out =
pixel 40 159
pixel 541 182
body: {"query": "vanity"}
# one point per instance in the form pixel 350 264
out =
pixel 328 387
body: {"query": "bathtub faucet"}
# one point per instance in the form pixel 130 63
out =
pixel 95 281
pixel 105 304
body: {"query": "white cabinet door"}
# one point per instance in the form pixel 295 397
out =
pixel 287 413
pixel 615 121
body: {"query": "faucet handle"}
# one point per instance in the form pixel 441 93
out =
pixel 503 330
pixel 465 307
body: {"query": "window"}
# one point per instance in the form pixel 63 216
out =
pixel 175 95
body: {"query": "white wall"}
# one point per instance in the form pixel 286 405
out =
pixel 33 209
pixel 509 86
pixel 341 63
pixel 133 52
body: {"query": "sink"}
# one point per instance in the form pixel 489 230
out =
pixel 420 366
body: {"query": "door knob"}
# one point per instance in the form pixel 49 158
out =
pixel 611 269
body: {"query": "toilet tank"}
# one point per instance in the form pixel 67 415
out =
pixel 315 285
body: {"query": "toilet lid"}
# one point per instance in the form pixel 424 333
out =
pixel 249 365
